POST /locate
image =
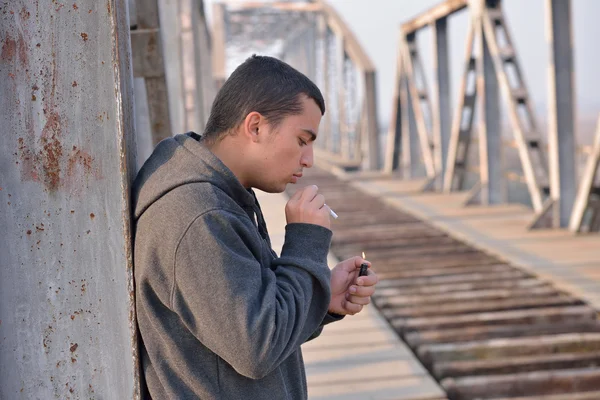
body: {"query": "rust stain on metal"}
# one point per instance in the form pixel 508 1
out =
pixel 52 151
pixel 84 36
pixel 74 84
pixel 25 14
pixel 9 49
pixel 79 158
pixel 75 6
pixel 73 347
pixel 59 5
pixel 92 216
pixel 45 158
pixel 108 7
pixel 29 231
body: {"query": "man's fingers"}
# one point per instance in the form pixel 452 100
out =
pixel 352 308
pixel 309 193
pixel 369 280
pixel 363 301
pixel 296 196
pixel 359 260
pixel 361 291
pixel 319 201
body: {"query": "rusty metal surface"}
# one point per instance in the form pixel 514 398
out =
pixel 67 322
pixel 482 327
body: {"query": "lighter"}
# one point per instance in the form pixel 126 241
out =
pixel 363 267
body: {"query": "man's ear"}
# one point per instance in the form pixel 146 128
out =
pixel 252 124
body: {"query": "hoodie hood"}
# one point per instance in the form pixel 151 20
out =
pixel 181 160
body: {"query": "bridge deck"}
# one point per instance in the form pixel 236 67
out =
pixel 570 262
pixel 360 357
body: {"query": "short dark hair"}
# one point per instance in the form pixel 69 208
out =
pixel 262 84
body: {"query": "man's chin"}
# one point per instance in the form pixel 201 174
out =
pixel 274 189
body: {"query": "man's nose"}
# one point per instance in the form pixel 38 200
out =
pixel 307 157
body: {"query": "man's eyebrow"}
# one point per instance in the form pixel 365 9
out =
pixel 313 136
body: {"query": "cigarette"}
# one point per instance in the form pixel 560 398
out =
pixel 332 213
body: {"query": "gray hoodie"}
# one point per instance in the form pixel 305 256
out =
pixel 220 315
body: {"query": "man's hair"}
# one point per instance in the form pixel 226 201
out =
pixel 262 84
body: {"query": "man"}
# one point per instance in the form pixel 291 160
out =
pixel 221 316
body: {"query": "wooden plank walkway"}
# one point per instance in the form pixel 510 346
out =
pixel 570 262
pixel 360 357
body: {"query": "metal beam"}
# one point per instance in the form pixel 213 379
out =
pixel 218 44
pixel 428 17
pixel 410 137
pixel 441 97
pixel 352 46
pixel 561 111
pixel 417 108
pixel 586 185
pixel 148 63
pixel 393 148
pixel 460 135
pixel 67 157
pixel 324 37
pixel 370 133
pixel 522 137
pixel 490 135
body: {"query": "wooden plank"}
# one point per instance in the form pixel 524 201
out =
pixel 459 278
pixel 567 396
pixel 455 287
pixel 510 347
pixel 470 333
pixel 398 273
pixel 473 307
pixel 531 316
pixel 528 383
pixel 461 297
pixel 516 364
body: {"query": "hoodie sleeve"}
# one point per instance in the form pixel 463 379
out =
pixel 253 316
pixel 329 318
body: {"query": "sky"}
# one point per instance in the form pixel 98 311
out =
pixel 375 24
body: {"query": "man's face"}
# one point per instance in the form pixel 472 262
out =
pixel 288 149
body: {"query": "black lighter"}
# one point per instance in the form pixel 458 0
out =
pixel 363 269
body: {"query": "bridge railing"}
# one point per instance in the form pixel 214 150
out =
pixel 174 86
pixel 427 138
pixel 321 45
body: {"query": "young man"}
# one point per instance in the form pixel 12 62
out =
pixel 221 316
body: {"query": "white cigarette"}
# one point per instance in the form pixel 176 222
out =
pixel 333 214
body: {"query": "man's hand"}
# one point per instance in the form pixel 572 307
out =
pixel 349 292
pixel 307 206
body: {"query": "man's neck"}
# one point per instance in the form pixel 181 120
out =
pixel 231 155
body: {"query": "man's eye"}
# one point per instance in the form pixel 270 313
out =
pixel 302 142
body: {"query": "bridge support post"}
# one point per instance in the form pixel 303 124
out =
pixel 152 112
pixel 441 105
pixel 67 157
pixel 490 135
pixel 561 114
